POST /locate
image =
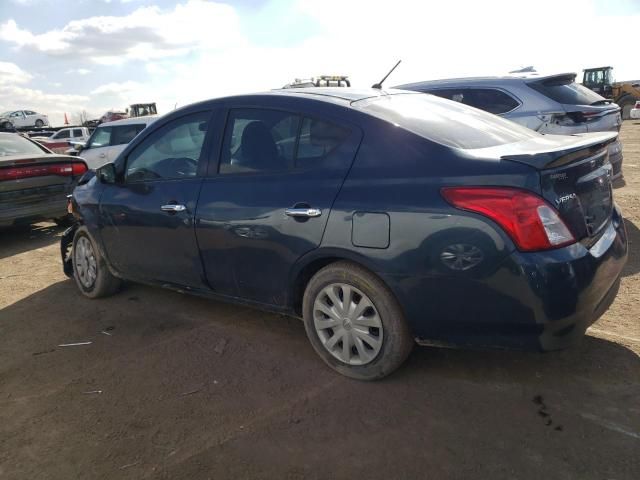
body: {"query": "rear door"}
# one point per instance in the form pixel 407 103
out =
pixel 148 215
pixel 268 202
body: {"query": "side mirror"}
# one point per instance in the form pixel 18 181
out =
pixel 79 146
pixel 107 173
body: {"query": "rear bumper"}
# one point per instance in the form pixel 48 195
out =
pixel 635 113
pixel 31 205
pixel 532 301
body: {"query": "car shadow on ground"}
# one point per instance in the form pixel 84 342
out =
pixel 18 239
pixel 161 352
pixel 633 263
pixel 148 313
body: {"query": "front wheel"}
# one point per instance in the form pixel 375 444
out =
pixel 355 323
pixel 90 270
pixel 39 123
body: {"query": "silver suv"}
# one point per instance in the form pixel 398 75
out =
pixel 547 104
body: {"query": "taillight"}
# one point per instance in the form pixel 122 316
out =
pixel 528 219
pixel 637 105
pixel 43 170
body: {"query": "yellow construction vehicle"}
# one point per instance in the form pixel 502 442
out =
pixel 625 94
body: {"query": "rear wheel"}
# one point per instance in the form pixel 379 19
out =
pixel 354 322
pixel 89 268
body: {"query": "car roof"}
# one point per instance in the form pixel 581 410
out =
pixel 335 95
pixel 127 121
pixel 505 79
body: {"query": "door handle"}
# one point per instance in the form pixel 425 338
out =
pixel 303 212
pixel 102 155
pixel 173 208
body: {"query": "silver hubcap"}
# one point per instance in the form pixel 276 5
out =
pixel 85 262
pixel 348 324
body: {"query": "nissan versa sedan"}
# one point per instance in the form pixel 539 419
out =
pixel 381 218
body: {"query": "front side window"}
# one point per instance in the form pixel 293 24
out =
pixel 172 152
pixel 77 132
pixel 100 138
pixel 123 134
pixel 259 140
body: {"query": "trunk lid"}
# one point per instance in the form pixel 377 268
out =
pixel 575 176
pixel 30 171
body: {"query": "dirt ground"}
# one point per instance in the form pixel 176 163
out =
pixel 179 387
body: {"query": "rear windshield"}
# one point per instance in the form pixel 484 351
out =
pixel 444 121
pixel 14 144
pixel 566 92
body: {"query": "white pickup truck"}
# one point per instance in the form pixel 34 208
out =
pixel 59 142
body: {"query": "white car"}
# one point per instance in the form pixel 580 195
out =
pixel 24 118
pixel 635 111
pixel 111 138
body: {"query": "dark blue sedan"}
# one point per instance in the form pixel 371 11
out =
pixel 381 218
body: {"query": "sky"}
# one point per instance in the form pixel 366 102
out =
pixel 60 56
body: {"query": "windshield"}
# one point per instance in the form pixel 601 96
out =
pixel 566 92
pixel 444 121
pixel 5 114
pixel 13 144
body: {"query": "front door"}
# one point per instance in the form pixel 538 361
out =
pixel 268 204
pixel 148 215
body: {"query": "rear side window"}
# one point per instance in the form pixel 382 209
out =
pixel 566 91
pixel 172 152
pixel 318 140
pixel 259 140
pixel 447 123
pixel 487 99
pixel 63 134
pixel 123 134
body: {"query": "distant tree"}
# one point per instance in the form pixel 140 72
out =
pixel 80 118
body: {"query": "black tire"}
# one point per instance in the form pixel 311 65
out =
pixel 397 341
pixel 39 123
pixel 105 284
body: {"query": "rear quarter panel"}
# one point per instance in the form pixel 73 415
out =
pixel 401 174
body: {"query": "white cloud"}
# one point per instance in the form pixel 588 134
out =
pixel 147 33
pixel 118 89
pixel 10 73
pixel 79 71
